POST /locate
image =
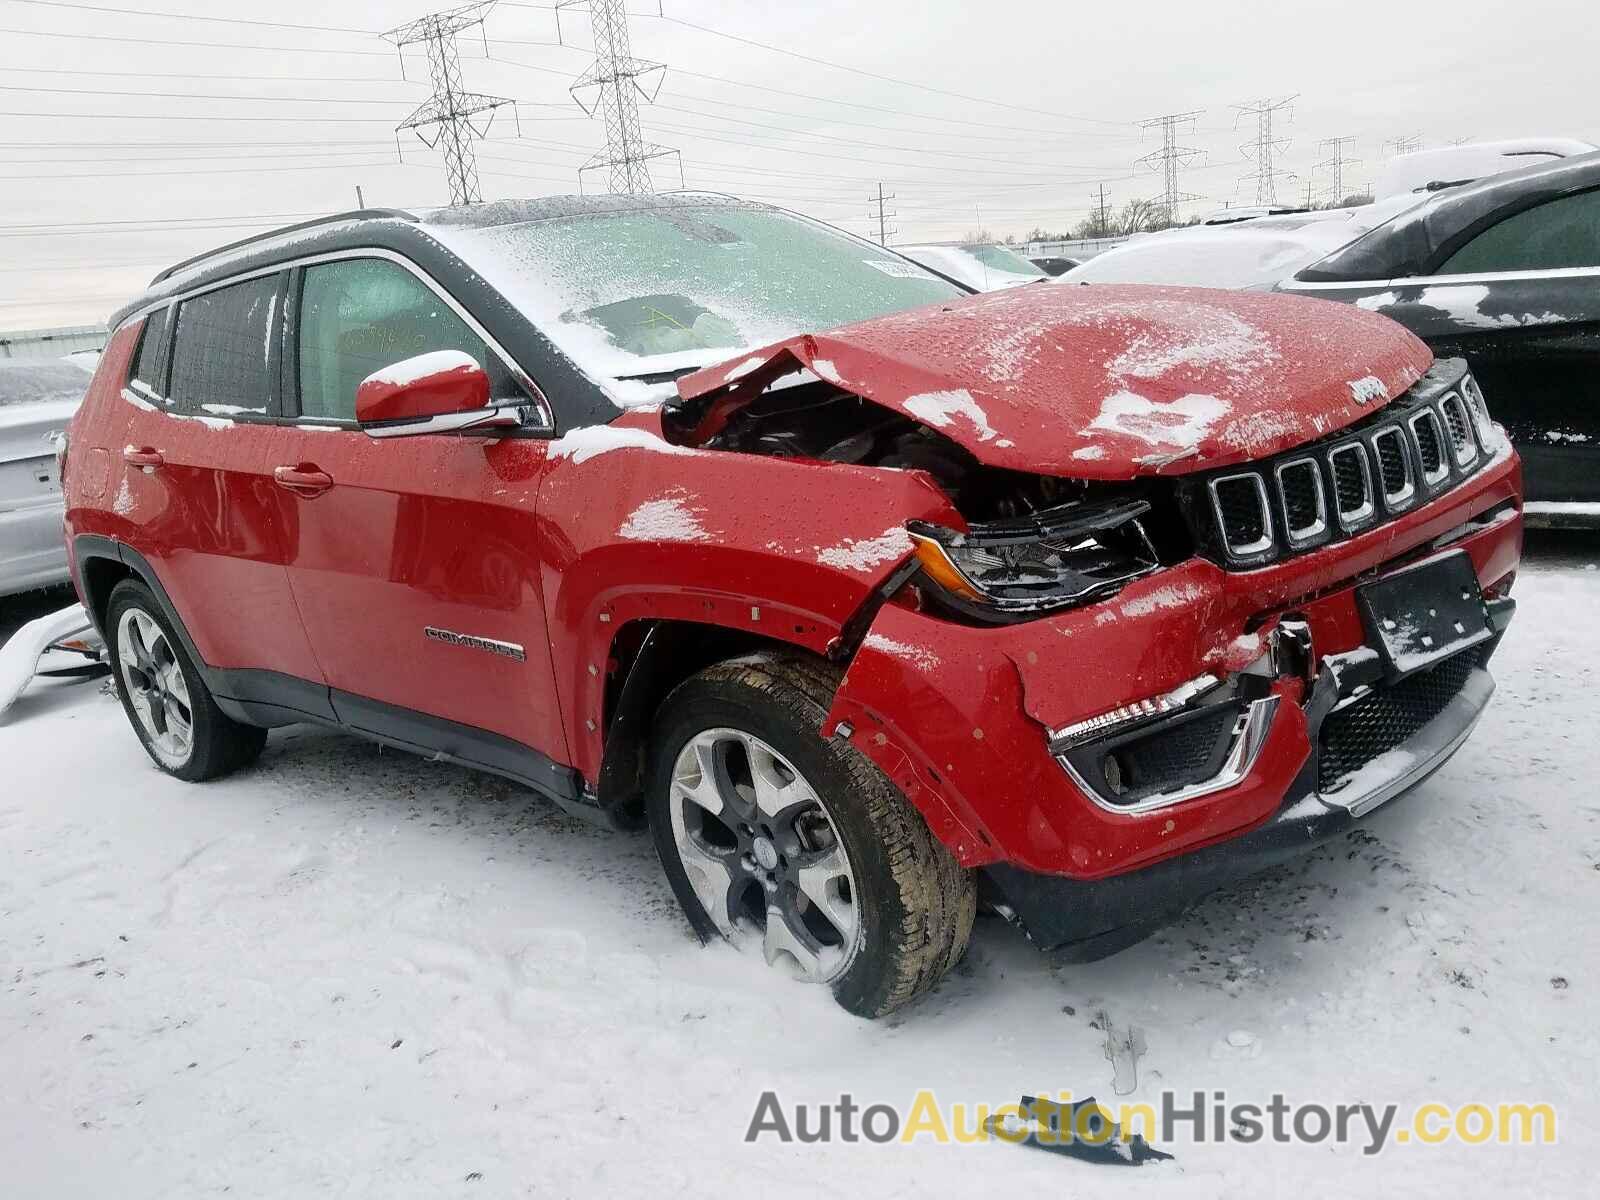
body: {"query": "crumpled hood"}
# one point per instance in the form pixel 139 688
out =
pixel 1107 382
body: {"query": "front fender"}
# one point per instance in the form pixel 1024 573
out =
pixel 634 528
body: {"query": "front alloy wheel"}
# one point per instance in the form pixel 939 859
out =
pixel 763 854
pixel 776 837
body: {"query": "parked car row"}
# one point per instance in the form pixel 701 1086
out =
pixel 1503 272
pixel 871 597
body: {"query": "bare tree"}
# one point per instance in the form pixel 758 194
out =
pixel 1141 216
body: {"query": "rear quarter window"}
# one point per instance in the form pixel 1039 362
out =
pixel 149 362
pixel 222 360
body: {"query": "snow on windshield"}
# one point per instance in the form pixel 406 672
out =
pixel 654 290
pixel 987 268
pixel 40 381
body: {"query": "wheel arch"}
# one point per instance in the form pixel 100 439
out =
pixel 648 658
pixel 101 563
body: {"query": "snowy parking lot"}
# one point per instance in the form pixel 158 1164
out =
pixel 347 971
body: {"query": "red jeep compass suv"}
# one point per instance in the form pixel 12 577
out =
pixel 870 597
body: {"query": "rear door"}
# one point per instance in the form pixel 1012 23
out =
pixel 197 488
pixel 415 564
pixel 1520 300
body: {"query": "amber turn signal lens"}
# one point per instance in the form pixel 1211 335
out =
pixel 938 567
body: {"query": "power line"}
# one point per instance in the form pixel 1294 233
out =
pixel 199 95
pixel 898 112
pixel 377 148
pixel 123 11
pixel 158 221
pixel 384 162
pixel 230 75
pixel 1266 147
pixel 966 156
pixel 733 37
pixel 100 116
pixel 879 162
pixel 615 75
pixel 1170 158
pixel 145 41
pixel 988 139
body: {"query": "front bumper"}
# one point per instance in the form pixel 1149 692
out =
pixel 1101 916
pixel 961 718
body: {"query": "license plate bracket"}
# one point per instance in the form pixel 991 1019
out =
pixel 1421 615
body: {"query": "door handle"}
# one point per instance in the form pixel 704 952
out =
pixel 307 479
pixel 142 456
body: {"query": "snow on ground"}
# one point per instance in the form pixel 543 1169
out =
pixel 351 972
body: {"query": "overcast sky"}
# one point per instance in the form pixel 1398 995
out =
pixel 262 124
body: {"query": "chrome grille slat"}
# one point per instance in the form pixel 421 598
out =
pixel 1352 476
pixel 1459 426
pixel 1429 437
pixel 1396 480
pixel 1243 515
pixel 1305 508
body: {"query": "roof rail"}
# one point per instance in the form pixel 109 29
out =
pixel 360 214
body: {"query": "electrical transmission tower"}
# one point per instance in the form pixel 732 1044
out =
pixel 615 75
pixel 1408 143
pixel 1336 162
pixel 1102 213
pixel 1266 148
pixel 1169 158
pixel 882 215
pixel 450 109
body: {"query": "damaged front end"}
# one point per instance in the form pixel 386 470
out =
pixel 1132 660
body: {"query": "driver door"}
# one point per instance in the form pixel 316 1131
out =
pixel 415 568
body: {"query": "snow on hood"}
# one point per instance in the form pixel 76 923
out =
pixel 1108 382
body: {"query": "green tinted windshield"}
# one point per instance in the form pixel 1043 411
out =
pixel 998 258
pixel 615 289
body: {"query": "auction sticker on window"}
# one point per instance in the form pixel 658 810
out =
pixel 900 270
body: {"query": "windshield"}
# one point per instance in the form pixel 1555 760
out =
pixel 655 290
pixel 998 258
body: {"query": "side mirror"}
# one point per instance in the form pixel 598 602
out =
pixel 439 392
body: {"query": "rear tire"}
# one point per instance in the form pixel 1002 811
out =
pixel 896 912
pixel 165 696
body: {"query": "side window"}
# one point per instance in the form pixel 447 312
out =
pixel 360 315
pixel 222 352
pixel 1558 233
pixel 147 363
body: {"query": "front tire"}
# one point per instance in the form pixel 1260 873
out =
pixel 164 695
pixel 773 837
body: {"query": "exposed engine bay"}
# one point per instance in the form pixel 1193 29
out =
pixel 1032 543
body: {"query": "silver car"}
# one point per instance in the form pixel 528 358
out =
pixel 37 399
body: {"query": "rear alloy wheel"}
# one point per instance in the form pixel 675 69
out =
pixel 155 688
pixel 762 853
pixel 164 694
pixel 777 839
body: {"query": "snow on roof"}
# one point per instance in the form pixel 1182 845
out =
pixel 1255 253
pixel 1475 160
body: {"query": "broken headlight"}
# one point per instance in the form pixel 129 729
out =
pixel 1054 558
